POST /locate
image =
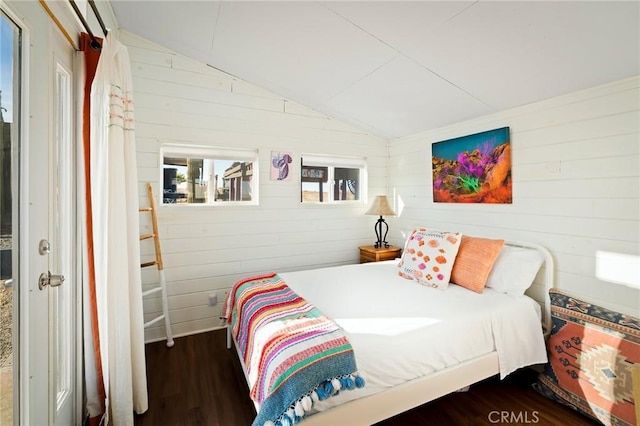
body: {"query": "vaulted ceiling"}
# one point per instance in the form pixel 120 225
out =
pixel 396 68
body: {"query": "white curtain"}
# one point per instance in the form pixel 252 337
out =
pixel 114 192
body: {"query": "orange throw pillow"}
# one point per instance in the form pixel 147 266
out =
pixel 475 259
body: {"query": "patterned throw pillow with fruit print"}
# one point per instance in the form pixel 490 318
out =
pixel 428 257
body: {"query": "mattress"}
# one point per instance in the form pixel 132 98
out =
pixel 401 330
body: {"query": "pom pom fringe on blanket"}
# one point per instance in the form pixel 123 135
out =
pixel 294 355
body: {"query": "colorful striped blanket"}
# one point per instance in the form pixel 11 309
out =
pixel 293 354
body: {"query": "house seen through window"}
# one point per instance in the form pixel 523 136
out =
pixel 194 175
pixel 332 179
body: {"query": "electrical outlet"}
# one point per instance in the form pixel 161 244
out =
pixel 213 298
pixel 553 167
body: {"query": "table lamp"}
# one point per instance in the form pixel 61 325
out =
pixel 380 207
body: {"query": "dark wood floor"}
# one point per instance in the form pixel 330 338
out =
pixel 200 382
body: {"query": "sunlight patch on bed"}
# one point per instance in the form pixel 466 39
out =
pixel 384 326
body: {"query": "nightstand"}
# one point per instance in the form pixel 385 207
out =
pixel 372 254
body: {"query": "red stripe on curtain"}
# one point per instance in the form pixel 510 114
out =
pixel 91 63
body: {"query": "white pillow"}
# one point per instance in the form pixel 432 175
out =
pixel 514 270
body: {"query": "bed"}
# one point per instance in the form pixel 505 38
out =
pixel 412 343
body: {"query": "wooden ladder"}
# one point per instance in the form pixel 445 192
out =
pixel 158 262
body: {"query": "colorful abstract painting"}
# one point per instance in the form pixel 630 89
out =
pixel 280 165
pixel 473 169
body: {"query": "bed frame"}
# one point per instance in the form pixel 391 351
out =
pixel 382 405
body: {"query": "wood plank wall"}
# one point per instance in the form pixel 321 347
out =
pixel 576 185
pixel 206 249
pixel 575 166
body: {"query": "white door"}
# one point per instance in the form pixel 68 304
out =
pixel 60 277
pixel 49 323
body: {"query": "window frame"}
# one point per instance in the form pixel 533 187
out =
pixel 329 163
pixel 214 153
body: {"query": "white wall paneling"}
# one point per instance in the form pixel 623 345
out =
pixel 576 184
pixel 207 248
pixel 575 170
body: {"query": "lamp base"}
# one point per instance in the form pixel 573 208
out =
pixel 381 240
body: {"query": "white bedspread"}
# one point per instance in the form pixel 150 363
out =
pixel 401 330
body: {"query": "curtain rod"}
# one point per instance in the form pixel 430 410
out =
pixel 95 44
pixel 96 12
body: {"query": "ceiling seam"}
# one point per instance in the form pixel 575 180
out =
pixel 360 79
pixel 409 57
pixel 462 11
pixel 215 30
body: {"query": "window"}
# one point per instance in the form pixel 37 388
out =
pixel 206 175
pixel 326 179
pixel 11 111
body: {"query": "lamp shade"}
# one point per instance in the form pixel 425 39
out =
pixel 380 207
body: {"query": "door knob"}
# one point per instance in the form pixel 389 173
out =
pixel 44 247
pixel 46 279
